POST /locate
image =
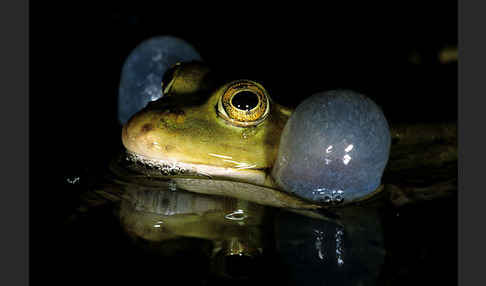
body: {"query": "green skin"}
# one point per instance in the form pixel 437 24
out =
pixel 182 129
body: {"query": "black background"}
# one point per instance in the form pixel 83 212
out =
pixel 294 50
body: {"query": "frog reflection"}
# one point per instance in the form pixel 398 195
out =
pixel 173 222
pixel 321 249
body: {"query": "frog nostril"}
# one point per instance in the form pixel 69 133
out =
pixel 245 100
pixel 147 127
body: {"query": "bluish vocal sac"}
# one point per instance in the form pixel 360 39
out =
pixel 144 69
pixel 334 148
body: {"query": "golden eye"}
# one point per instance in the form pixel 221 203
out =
pixel 244 103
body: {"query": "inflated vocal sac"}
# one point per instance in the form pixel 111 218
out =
pixel 334 148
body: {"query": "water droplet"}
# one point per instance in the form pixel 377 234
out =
pixel 236 215
pixel 73 180
pixel 172 186
pixel 338 199
pixel 327 199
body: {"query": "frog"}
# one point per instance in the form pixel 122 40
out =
pixel 229 138
pixel 166 86
pixel 224 138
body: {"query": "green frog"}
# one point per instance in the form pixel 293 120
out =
pixel 199 135
pixel 223 138
pixel 228 137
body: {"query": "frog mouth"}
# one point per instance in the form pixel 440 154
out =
pixel 166 168
pixel 254 185
pixel 156 167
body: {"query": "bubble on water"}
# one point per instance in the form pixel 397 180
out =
pixel 327 196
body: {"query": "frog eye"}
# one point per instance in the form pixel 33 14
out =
pixel 244 103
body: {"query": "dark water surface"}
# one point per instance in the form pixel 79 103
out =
pixel 385 246
pixel 76 60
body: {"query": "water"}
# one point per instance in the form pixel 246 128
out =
pixel 156 235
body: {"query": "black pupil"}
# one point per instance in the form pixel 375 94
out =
pixel 245 100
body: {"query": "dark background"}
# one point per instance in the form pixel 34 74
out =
pixel 294 50
pixel 78 50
